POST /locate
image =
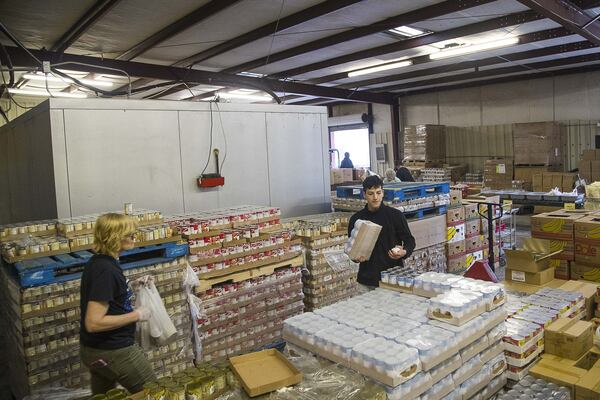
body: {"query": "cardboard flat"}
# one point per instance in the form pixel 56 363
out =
pixel 537 278
pixel 569 338
pixel 264 371
pixel 588 289
pixel 457 321
pixel 472 391
pixel 492 352
pixel 588 387
pixel 451 365
pixel 473 349
pixel 462 374
pixel 533 256
pixel 521 362
pixel 444 355
pixel 558 373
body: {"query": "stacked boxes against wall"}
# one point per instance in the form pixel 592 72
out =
pixel 425 143
pixel 42 296
pixel 329 276
pixel 528 319
pixel 537 143
pixel 559 228
pixel 498 173
pixel 249 278
pixel 589 165
pixel 446 174
pixel 412 345
pixel 587 248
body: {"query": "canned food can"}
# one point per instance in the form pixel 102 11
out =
pixel 128 208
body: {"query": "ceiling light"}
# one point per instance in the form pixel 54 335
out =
pixel 407 31
pixel 473 48
pixel 50 78
pixel 44 93
pixel 251 74
pixel 378 68
pixel 252 97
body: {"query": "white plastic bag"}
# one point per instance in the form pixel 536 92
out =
pixel 190 280
pixel 159 326
pixel 597 337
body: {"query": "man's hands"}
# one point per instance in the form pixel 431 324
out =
pixel 397 252
pixel 360 259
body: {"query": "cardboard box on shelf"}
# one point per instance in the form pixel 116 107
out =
pixel 568 338
pixel 429 231
pixel 587 239
pixel 584 272
pixel 558 373
pixel 588 386
pixel 532 257
pixel 264 371
pixel 587 289
pixel 557 225
pixel 532 278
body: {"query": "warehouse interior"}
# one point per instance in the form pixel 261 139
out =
pixel 330 199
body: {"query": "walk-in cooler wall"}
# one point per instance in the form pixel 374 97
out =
pixel 70 157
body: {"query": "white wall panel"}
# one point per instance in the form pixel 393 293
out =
pixel 516 102
pixel 59 159
pixel 419 109
pixel 460 107
pixel 245 168
pixel 296 171
pixel 119 156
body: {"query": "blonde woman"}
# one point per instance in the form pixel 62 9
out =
pixel 108 319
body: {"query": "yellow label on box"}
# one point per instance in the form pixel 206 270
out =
pixel 569 206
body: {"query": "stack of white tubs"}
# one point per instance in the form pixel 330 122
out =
pixel 410 344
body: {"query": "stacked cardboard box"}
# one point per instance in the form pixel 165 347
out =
pixel 589 165
pixel 341 175
pixel 526 175
pixel 587 248
pixel 559 228
pixel 549 180
pixel 498 174
pixel 425 143
pixel 531 263
pixel 537 143
pixel 448 173
pixel 456 235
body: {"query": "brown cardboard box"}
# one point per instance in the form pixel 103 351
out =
pixel 526 174
pixel 429 231
pixel 566 248
pixel 562 268
pixel 455 215
pixel 537 183
pixel 558 373
pixel 455 248
pixel 587 240
pixel 498 173
pixel 457 263
pixel 364 240
pixel 588 387
pixel 472 228
pixel 585 272
pixel 536 278
pixel 341 175
pixel 585 169
pixel 471 211
pixel 536 143
pixel 588 289
pixel 568 338
pixel 557 225
pixel 264 371
pixel 474 243
pixel 595 166
pixel 455 197
pixel 532 257
pixel 588 154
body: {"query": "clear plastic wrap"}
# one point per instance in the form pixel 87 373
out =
pixel 159 326
pixel 455 303
pixel 393 359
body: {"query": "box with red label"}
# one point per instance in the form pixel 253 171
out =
pixel 587 240
pixel 472 228
pixel 455 233
pixel 455 215
pixel 455 248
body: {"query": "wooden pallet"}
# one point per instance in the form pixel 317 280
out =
pixel 239 276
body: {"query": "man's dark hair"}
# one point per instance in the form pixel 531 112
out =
pixel 371 182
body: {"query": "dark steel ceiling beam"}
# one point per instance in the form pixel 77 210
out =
pixel 523 55
pixel 313 12
pixel 21 58
pixel 523 39
pixel 471 29
pixel 408 18
pixel 495 71
pixel 97 11
pixel 504 79
pixel 314 102
pixel 568 15
pixel 198 15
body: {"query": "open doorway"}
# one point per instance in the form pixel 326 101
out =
pixel 353 141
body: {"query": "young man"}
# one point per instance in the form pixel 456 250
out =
pixel 395 242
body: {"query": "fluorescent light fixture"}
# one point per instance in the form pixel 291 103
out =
pixel 378 68
pixel 252 97
pixel 50 78
pixel 44 93
pixel 251 74
pixel 407 31
pixel 473 48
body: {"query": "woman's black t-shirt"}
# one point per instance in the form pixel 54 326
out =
pixel 103 281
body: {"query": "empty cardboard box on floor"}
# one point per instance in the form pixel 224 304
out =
pixel 264 371
pixel 558 373
pixel 568 338
pixel 532 278
pixel 532 257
